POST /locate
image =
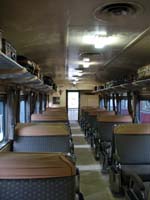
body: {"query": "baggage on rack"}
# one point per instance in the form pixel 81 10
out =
pixel 25 62
pixel 8 49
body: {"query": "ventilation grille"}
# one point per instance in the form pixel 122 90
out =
pixel 120 9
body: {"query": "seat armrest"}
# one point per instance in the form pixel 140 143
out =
pixel 135 180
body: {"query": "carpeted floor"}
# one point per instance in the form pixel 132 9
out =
pixel 93 184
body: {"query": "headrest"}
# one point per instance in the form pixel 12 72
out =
pixel 41 130
pixel 104 112
pixel 115 118
pixel 34 165
pixel 132 129
pixel 49 112
pixel 55 108
pixel 92 113
pixel 40 117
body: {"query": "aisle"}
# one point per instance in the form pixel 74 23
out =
pixel 93 184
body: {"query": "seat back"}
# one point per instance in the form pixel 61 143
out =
pixel 34 176
pixel 55 112
pixel 42 138
pixel 49 118
pixel 132 143
pixel 106 123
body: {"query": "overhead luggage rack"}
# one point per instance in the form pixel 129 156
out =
pixel 15 73
pixel 135 85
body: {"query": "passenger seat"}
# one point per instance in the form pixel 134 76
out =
pixel 36 176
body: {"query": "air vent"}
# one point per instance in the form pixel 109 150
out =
pixel 118 9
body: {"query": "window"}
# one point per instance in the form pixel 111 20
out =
pixel 22 111
pixel 124 107
pixel 111 105
pixel 145 111
pixel 2 120
pixel 102 103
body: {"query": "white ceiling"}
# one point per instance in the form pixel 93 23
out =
pixel 51 33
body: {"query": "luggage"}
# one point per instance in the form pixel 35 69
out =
pixel 37 71
pixel 25 62
pixel 144 72
pixel 8 49
pixel 48 80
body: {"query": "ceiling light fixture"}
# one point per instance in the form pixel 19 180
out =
pixel 86 62
pixel 100 39
pixel 80 74
pixel 74 82
pixel 86 65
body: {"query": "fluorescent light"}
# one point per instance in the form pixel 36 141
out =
pixel 88 39
pixel 74 82
pixel 86 64
pixel 102 33
pixel 79 74
pixel 99 39
pixel 76 79
pixel 86 60
pixel 102 41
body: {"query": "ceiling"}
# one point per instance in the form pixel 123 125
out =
pixel 52 34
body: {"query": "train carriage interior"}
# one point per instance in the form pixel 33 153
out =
pixel 75 100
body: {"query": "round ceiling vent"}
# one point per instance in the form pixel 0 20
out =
pixel 119 9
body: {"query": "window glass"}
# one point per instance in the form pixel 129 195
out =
pixel 102 103
pixel 124 107
pixel 22 111
pixel 145 111
pixel 111 105
pixel 2 118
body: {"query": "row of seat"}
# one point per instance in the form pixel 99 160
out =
pixel 41 165
pixel 124 149
pixel 130 170
pixel 97 125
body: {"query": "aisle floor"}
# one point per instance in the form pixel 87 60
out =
pixel 93 184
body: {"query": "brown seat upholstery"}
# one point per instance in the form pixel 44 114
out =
pixel 55 108
pixel 104 112
pixel 48 118
pixel 131 152
pixel 34 176
pixel 105 131
pixel 33 129
pixel 132 129
pixel 108 117
pixel 42 137
pixel 34 165
pixel 49 112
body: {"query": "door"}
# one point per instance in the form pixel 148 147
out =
pixel 73 105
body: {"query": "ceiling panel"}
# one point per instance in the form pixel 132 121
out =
pixel 51 33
